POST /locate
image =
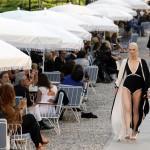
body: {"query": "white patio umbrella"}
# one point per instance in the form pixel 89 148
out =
pixel 12 58
pixel 27 35
pixel 15 14
pixel 112 13
pixel 114 2
pixel 96 23
pixel 76 9
pixel 88 22
pixel 137 4
pixel 116 6
pixel 69 40
pixel 52 18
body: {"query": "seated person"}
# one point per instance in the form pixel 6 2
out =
pixel 46 94
pixel 76 79
pixel 22 90
pixel 14 115
pixel 107 62
pixel 4 77
pixel 82 59
pixel 67 69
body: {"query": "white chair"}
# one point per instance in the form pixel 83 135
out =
pixel 53 118
pixel 4 142
pixel 53 76
pixel 75 96
pixel 90 59
pixel 18 140
pixel 134 37
pixel 92 71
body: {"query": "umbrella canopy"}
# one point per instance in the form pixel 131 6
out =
pixel 12 58
pixel 69 40
pixel 15 14
pixel 110 12
pixel 116 6
pixel 52 18
pixel 137 4
pixel 27 35
pixel 76 9
pixel 114 2
pixel 97 23
pixel 60 20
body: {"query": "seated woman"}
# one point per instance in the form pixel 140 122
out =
pixel 4 77
pixel 75 78
pixel 107 62
pixel 14 115
pixel 82 59
pixel 46 94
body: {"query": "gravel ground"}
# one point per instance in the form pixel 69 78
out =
pixel 90 134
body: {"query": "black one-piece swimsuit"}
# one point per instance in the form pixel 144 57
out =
pixel 134 81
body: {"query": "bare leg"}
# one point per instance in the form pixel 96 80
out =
pixel 127 109
pixel 136 102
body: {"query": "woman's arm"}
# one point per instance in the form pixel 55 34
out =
pixel 121 72
pixel 39 95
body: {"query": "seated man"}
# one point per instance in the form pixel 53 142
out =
pixel 21 90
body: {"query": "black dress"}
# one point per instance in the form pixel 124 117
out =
pixel 134 81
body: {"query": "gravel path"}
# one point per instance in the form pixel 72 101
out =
pixel 90 134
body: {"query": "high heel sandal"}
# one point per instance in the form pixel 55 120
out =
pixel 40 147
pixel 134 137
pixel 127 137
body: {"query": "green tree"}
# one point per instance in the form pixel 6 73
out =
pixel 6 5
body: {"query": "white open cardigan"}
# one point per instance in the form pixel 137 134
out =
pixel 117 117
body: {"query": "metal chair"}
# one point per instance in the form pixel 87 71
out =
pixel 18 140
pixel 75 96
pixel 53 118
pixel 134 37
pixel 93 73
pixel 4 142
pixel 53 76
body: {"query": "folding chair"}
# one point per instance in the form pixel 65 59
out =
pixel 53 118
pixel 75 96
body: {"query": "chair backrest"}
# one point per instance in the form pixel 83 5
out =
pixel 90 59
pixel 134 37
pixel 59 103
pixel 92 72
pixel 3 134
pixel 145 25
pixel 53 76
pixel 74 94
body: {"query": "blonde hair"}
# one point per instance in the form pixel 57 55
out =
pixel 133 44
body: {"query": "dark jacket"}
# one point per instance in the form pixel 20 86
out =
pixel 148 44
pixel 24 92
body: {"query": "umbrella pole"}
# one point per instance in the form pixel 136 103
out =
pixel 43 61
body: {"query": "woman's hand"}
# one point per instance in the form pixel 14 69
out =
pixel 116 90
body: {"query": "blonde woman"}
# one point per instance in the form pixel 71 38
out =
pixel 131 100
